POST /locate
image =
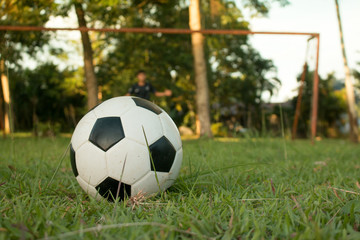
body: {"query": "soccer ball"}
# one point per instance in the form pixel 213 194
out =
pixel 123 147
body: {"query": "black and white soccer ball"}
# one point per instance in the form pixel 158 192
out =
pixel 111 146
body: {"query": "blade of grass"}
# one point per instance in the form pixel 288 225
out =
pixel 151 158
pixel 119 185
pixel 58 166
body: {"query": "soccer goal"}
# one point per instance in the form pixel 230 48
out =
pixel 316 36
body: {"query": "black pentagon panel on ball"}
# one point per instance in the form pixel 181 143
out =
pixel 163 155
pixel 73 161
pixel 109 189
pixel 140 102
pixel 107 132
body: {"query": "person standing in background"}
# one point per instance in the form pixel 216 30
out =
pixel 144 89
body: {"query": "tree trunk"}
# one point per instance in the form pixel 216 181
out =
pixel 1 114
pixel 6 95
pixel 202 89
pixel 91 82
pixel 349 86
pixel 35 119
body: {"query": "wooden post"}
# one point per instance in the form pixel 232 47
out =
pixel 298 103
pixel 6 95
pixel 315 96
pixel 350 96
pixel 91 81
pixel 201 82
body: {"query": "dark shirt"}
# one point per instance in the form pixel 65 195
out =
pixel 142 91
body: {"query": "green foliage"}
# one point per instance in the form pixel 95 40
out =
pixel 356 73
pixel 219 130
pixel 226 190
pixel 28 13
pixel 47 95
pixel 262 6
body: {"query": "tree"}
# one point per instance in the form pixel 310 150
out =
pixel 350 96
pixel 91 82
pixel 16 45
pixel 202 89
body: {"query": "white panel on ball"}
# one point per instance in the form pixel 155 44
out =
pixel 137 161
pixel 148 184
pixel 88 188
pixel 83 130
pixel 114 107
pixel 91 163
pixel 137 117
pixel 171 132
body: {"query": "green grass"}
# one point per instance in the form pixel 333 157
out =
pixel 226 190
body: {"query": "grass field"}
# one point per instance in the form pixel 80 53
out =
pixel 245 189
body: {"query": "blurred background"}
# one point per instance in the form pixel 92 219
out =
pixel 253 80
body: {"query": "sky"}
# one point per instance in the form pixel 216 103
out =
pixel 288 52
